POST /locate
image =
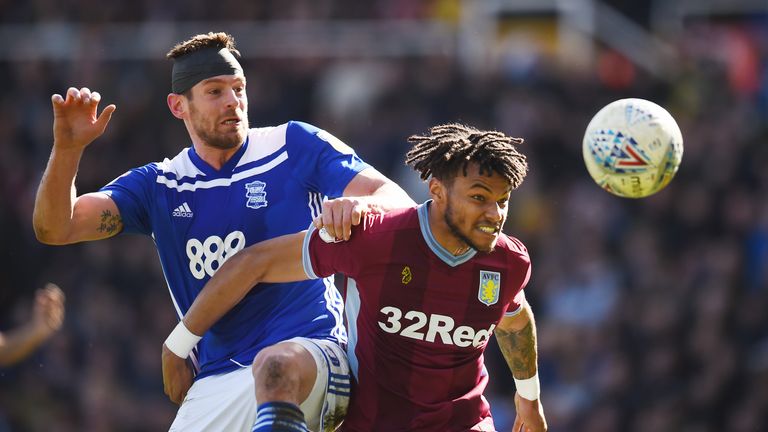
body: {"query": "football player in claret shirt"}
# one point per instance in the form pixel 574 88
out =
pixel 427 288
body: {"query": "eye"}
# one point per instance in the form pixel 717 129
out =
pixel 214 91
pixel 478 198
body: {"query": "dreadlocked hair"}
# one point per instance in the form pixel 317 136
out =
pixel 452 146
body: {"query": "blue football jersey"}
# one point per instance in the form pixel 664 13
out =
pixel 199 217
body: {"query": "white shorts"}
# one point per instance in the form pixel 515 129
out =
pixel 227 402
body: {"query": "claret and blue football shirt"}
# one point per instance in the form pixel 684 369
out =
pixel 419 320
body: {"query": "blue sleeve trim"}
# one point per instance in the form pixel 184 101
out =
pixel 514 312
pixel 305 258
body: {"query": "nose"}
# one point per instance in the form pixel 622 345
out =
pixel 495 213
pixel 231 99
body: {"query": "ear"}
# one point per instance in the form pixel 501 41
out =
pixel 177 105
pixel 437 190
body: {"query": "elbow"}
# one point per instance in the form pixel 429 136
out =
pixel 43 235
pixel 47 231
pixel 46 236
pixel 43 232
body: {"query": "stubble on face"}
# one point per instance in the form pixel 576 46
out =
pixel 453 224
pixel 205 128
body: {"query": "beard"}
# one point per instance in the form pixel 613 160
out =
pixel 207 132
pixel 450 220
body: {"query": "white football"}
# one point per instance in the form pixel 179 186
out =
pixel 632 148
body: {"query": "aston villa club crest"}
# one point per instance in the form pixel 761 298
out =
pixel 490 282
pixel 257 196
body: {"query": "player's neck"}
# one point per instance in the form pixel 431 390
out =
pixel 213 156
pixel 443 233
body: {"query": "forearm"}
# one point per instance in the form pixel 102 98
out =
pixel 379 193
pixel 274 260
pixel 223 291
pixel 19 343
pixel 387 197
pixel 517 341
pixel 55 197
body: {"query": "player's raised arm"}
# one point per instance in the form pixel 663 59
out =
pixel 60 217
pixel 516 336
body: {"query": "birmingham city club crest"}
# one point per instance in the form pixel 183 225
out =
pixel 257 196
pixel 490 282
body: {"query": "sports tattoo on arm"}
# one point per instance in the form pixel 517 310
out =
pixel 519 350
pixel 109 223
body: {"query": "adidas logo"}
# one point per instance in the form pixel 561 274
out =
pixel 183 211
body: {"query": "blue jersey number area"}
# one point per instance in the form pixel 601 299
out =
pixel 208 255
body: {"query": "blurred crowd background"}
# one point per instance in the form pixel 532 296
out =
pixel 652 314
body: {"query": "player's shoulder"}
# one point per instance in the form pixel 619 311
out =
pixel 294 136
pixel 299 132
pixel 268 132
pixel 176 168
pixel 513 248
pixel 264 142
pixel 302 127
pixel 145 176
pixel 310 135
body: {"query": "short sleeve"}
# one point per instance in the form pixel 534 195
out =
pixel 322 259
pixel 516 305
pixel 321 161
pixel 132 193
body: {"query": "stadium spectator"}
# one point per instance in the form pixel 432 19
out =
pixel 47 318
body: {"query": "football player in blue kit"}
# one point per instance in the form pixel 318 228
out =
pixel 233 187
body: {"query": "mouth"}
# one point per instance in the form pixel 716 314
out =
pixel 491 230
pixel 231 121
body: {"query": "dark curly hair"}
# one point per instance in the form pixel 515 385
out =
pixel 453 146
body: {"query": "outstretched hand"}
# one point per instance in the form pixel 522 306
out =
pixel 177 376
pixel 75 123
pixel 529 416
